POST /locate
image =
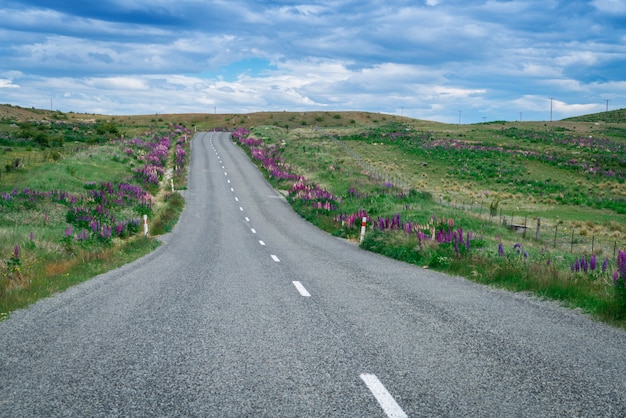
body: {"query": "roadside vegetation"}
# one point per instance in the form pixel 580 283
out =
pixel 529 207
pixel 72 199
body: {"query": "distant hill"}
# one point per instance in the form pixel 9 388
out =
pixel 613 116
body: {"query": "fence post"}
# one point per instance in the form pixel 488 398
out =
pixel 556 229
pixel 593 241
pixel 538 233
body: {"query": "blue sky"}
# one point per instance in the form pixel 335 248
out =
pixel 441 60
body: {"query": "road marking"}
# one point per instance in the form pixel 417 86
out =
pixel 236 199
pixel 301 289
pixel 261 242
pixel 384 398
pixel 240 208
pixel 232 190
pixel 228 181
pixel 225 173
pixel 275 258
pixel 247 219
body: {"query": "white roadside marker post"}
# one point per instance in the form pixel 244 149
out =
pixel 172 182
pixel 363 225
pixel 145 225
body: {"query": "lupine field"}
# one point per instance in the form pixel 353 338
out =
pixel 75 202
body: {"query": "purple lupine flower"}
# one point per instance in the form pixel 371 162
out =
pixel 32 236
pixel 621 268
pixel 517 246
pixel 16 252
pixel 592 262
pixel 500 250
pixel 605 265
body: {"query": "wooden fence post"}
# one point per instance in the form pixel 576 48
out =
pixel 556 228
pixel 538 233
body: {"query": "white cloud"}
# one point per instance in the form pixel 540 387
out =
pixel 7 84
pixel 610 7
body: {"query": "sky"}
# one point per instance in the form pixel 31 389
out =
pixel 452 61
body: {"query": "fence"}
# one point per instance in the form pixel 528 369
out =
pixel 550 234
pixel 576 237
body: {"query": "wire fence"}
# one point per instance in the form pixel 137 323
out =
pixel 574 237
pixel 581 239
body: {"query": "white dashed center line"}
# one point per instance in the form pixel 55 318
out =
pixel 301 289
pixel 253 230
pixel 384 398
pixel 261 242
pixel 275 258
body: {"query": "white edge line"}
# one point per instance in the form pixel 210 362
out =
pixel 384 398
pixel 301 289
pixel 275 258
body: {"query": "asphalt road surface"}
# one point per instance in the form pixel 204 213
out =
pixel 247 310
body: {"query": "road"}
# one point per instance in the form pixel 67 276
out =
pixel 248 310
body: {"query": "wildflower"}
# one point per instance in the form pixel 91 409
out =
pixel 16 252
pixel 500 250
pixel 592 263
pixel 605 265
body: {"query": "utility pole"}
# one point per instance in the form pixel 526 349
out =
pixel 551 98
pixel 607 105
pixel 520 116
pixel 460 117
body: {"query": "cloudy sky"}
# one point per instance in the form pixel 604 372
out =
pixel 441 60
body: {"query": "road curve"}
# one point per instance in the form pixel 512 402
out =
pixel 247 310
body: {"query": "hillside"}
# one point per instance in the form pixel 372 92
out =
pixel 613 116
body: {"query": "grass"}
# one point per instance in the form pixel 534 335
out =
pixel 43 279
